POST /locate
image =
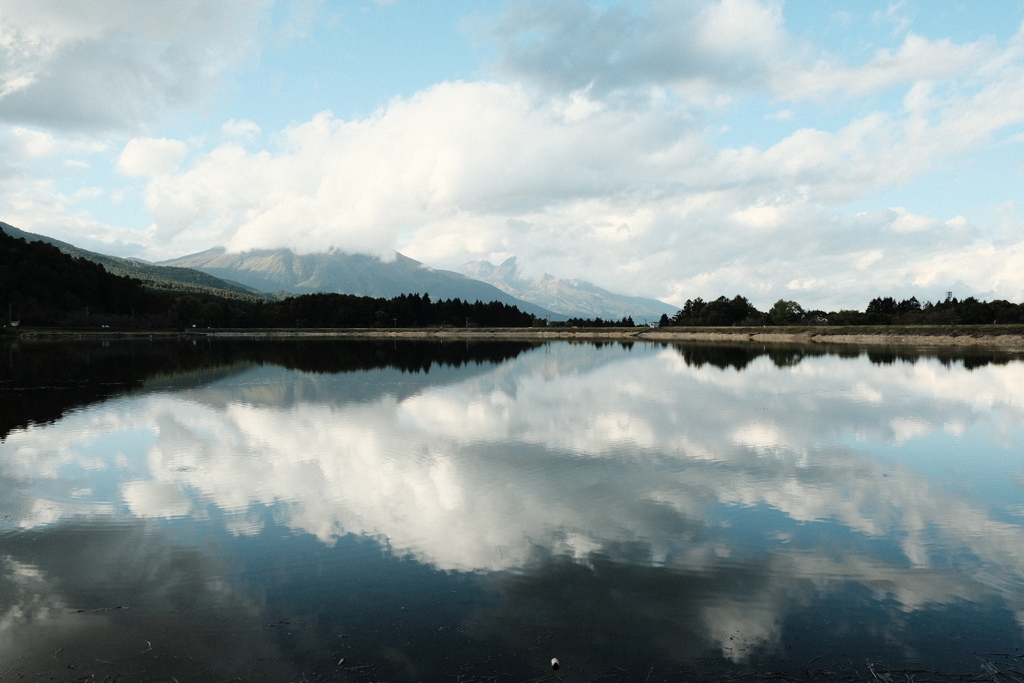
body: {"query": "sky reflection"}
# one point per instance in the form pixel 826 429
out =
pixel 651 495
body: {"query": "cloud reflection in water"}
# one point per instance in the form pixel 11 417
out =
pixel 632 477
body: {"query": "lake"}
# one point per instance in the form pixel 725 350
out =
pixel 213 510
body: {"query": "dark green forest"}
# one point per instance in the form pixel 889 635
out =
pixel 597 322
pixel 42 286
pixel 880 311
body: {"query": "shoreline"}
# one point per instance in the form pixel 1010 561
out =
pixel 1002 337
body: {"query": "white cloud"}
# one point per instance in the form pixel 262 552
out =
pixel 865 261
pixel 917 59
pixel 572 44
pixel 115 64
pixel 807 285
pixel 896 14
pixel 909 222
pixel 760 217
pixel 31 144
pixel 456 154
pixel 38 206
pixel 699 49
pixel 985 266
pixel 242 128
pixel 26 144
pixel 88 192
pixel 151 156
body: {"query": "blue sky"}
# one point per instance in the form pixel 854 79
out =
pixel 826 152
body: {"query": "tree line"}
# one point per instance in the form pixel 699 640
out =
pixel 627 321
pixel 738 311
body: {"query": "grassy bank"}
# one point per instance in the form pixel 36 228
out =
pixel 1001 336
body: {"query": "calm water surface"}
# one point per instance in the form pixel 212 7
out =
pixel 259 511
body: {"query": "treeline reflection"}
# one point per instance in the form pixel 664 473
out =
pixel 739 356
pixel 41 381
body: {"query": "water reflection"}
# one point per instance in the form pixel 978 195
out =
pixel 43 380
pixel 78 600
pixel 649 505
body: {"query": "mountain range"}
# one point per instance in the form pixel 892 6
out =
pixel 274 274
pixel 574 298
pixel 285 272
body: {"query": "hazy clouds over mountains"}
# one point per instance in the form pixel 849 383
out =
pixel 275 270
pixel 574 298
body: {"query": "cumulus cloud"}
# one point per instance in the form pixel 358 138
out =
pixel 698 48
pixel 917 59
pixel 463 171
pixel 243 128
pixel 26 143
pixel 97 65
pixel 693 46
pixel 909 222
pixel 151 157
pixel 19 144
pixel 457 153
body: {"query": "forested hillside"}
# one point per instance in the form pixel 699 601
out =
pixel 40 285
pixel 160 278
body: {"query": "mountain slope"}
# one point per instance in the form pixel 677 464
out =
pixel 359 274
pixel 573 298
pixel 161 278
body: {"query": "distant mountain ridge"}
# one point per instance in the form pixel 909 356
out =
pixel 573 298
pixel 282 270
